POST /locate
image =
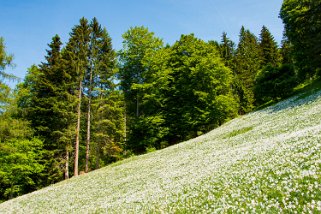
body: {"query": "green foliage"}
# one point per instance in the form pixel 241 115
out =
pixel 303 29
pixel 75 79
pixel 5 61
pixel 247 65
pixel 148 132
pixel 138 41
pixel 286 51
pixel 187 92
pixel 45 100
pixel 108 129
pixel 272 168
pixel 21 167
pixel 165 94
pixel 269 49
pixel 274 83
pixel 11 128
pixel 136 80
pixel 227 50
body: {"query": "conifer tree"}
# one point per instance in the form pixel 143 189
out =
pixel 5 61
pixel 45 101
pixel 95 33
pixel 227 50
pixel 269 49
pixel 108 127
pixel 99 79
pixel 247 64
pixel 77 63
pixel 286 51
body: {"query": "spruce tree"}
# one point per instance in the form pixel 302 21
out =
pixel 108 127
pixel 77 62
pixel 269 48
pixel 227 50
pixel 95 33
pixel 286 51
pixel 45 101
pixel 99 79
pixel 247 65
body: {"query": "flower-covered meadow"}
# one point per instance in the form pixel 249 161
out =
pixel 267 161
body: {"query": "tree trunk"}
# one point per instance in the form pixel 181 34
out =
pixel 78 129
pixel 67 164
pixel 125 125
pixel 137 106
pixel 97 156
pixel 88 135
pixel 88 120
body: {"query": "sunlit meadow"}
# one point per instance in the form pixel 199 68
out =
pixel 267 161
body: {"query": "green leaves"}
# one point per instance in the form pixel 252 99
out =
pixel 273 83
pixel 5 60
pixel 20 167
pixel 303 27
pixel 181 96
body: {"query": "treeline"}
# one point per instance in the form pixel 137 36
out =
pixel 86 105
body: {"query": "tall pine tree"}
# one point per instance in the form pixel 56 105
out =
pixel 45 101
pixel 269 48
pixel 247 65
pixel 99 85
pixel 227 50
pixel 77 62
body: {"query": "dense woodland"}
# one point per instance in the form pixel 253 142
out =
pixel 86 105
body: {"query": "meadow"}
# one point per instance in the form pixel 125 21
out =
pixel 266 161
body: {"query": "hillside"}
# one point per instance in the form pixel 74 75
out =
pixel 268 160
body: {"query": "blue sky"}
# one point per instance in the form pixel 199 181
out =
pixel 28 25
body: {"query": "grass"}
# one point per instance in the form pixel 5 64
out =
pixel 238 131
pixel 308 88
pixel 268 161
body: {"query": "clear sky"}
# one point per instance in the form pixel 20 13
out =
pixel 28 25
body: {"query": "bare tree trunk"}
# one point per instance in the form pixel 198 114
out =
pixel 67 164
pixel 78 129
pixel 88 120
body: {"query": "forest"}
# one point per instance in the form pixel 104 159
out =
pixel 87 105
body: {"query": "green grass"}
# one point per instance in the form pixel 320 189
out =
pixel 268 161
pixel 238 131
pixel 308 88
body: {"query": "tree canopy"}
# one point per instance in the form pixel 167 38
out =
pixel 303 28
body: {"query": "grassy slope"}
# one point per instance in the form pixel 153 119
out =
pixel 269 160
